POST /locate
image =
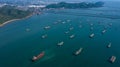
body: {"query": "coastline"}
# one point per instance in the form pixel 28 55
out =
pixel 1 25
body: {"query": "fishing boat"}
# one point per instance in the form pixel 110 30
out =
pixel 78 51
pixel 35 58
pixel 112 59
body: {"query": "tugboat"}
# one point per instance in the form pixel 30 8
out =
pixel 92 35
pixel 109 45
pixel 60 43
pixel 78 51
pixel 72 36
pixel 35 58
pixel 112 59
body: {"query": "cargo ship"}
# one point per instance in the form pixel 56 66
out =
pixel 78 51
pixel 112 59
pixel 35 58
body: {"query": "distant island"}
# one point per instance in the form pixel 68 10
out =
pixel 75 5
pixel 11 13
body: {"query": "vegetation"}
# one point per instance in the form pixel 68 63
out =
pixel 75 5
pixel 10 12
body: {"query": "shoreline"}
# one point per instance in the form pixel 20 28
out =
pixel 1 25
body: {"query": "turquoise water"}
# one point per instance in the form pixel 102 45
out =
pixel 17 46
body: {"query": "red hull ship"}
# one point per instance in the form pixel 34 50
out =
pixel 39 56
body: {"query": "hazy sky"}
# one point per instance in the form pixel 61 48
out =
pixel 80 0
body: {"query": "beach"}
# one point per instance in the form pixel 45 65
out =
pixel 14 20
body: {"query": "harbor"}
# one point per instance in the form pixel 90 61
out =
pixel 61 41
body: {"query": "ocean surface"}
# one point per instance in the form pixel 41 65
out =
pixel 18 46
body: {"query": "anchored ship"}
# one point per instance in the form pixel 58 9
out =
pixel 103 31
pixel 112 59
pixel 38 56
pixel 71 28
pixel 92 35
pixel 109 45
pixel 72 36
pixel 44 36
pixel 60 43
pixel 47 27
pixel 78 51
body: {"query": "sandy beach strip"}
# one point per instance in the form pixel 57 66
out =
pixel 14 20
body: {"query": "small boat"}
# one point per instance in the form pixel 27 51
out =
pixel 112 59
pixel 44 36
pixel 72 36
pixel 47 27
pixel 71 28
pixel 66 32
pixel 27 29
pixel 103 31
pixel 109 45
pixel 78 51
pixel 63 22
pixel 39 56
pixel 60 43
pixel 92 35
pixel 91 28
pixel 80 26
pixel 55 22
pixel 110 24
pixel 91 24
pixel 68 20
